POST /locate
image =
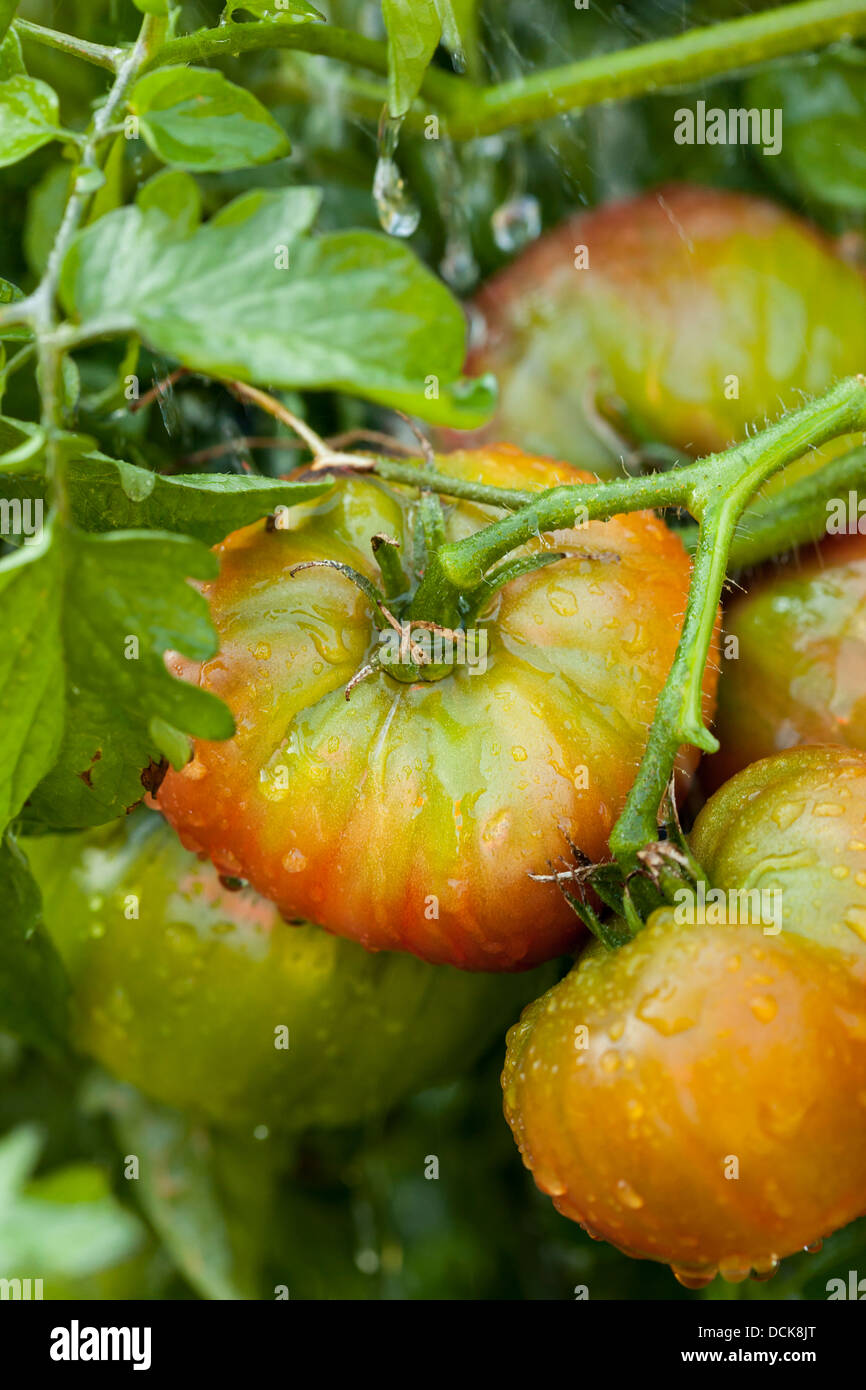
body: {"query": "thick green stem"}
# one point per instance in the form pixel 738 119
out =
pixel 631 72
pixel 720 489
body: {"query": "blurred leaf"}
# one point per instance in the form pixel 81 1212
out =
pixel 65 1224
pixel 196 119
pixel 45 207
pixel 247 295
pixel 823 101
pixel 179 1190
pixel 29 115
pixel 176 195
pixel 9 293
pixel 414 29
pixel 22 446
pixel 33 988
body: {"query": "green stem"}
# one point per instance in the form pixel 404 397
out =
pixel 720 489
pixel 42 303
pixel 98 53
pixel 684 59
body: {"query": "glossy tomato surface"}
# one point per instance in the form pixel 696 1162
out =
pixel 701 310
pixel 795 824
pixel 410 816
pixel 799 673
pixel 192 991
pixel 697 1096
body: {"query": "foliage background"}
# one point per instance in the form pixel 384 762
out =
pixel 350 1215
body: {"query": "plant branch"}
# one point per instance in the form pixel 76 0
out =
pixel 98 53
pixel 630 72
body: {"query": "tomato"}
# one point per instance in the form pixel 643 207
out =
pixel 182 987
pixel 712 1112
pixel 410 816
pixel 798 672
pixel 697 1096
pixel 795 823
pixel 701 310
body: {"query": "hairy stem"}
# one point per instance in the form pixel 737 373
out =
pixel 98 53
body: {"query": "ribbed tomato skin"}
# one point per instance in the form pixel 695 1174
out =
pixel 411 816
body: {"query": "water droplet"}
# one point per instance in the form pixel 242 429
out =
pixel 518 754
pixel 516 223
pixel 814 1247
pixel 840 871
pixel 610 1062
pixel 458 266
pixel 828 808
pixel 764 1007
pixel 693 1279
pixel 294 862
pixel 787 813
pixel 735 1269
pixel 398 214
pixel 261 651
pixel 628 1196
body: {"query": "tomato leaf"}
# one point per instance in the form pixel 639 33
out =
pixel 125 601
pixel 7 14
pixel 11 57
pixel 33 988
pixel 248 295
pixel 29 115
pixel 414 29
pixel 194 118
pixel 111 495
pixel 31 672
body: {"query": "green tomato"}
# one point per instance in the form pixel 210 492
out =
pixel 207 1000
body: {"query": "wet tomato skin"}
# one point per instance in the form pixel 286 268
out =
pixel 701 310
pixel 710 1052
pixel 795 823
pixel 410 816
pixel 179 985
pixel 799 675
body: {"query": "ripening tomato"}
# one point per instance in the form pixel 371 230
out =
pixel 207 1000
pixel 410 816
pixel 697 1096
pixel 701 311
pixel 796 672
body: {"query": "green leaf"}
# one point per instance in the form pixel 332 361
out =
pixel 112 495
pixel 11 57
pixel 64 1225
pixel 31 671
pixel 285 11
pixel 196 119
pixel 179 1189
pixel 33 988
pixel 414 29
pixel 823 102
pixel 22 445
pixel 248 296
pixel 29 114
pixel 89 621
pixel 176 196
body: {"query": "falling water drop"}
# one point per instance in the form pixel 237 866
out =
pixel 398 214
pixel 516 223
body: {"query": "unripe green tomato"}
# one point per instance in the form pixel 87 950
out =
pixel 797 671
pixel 186 989
pixel 702 311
